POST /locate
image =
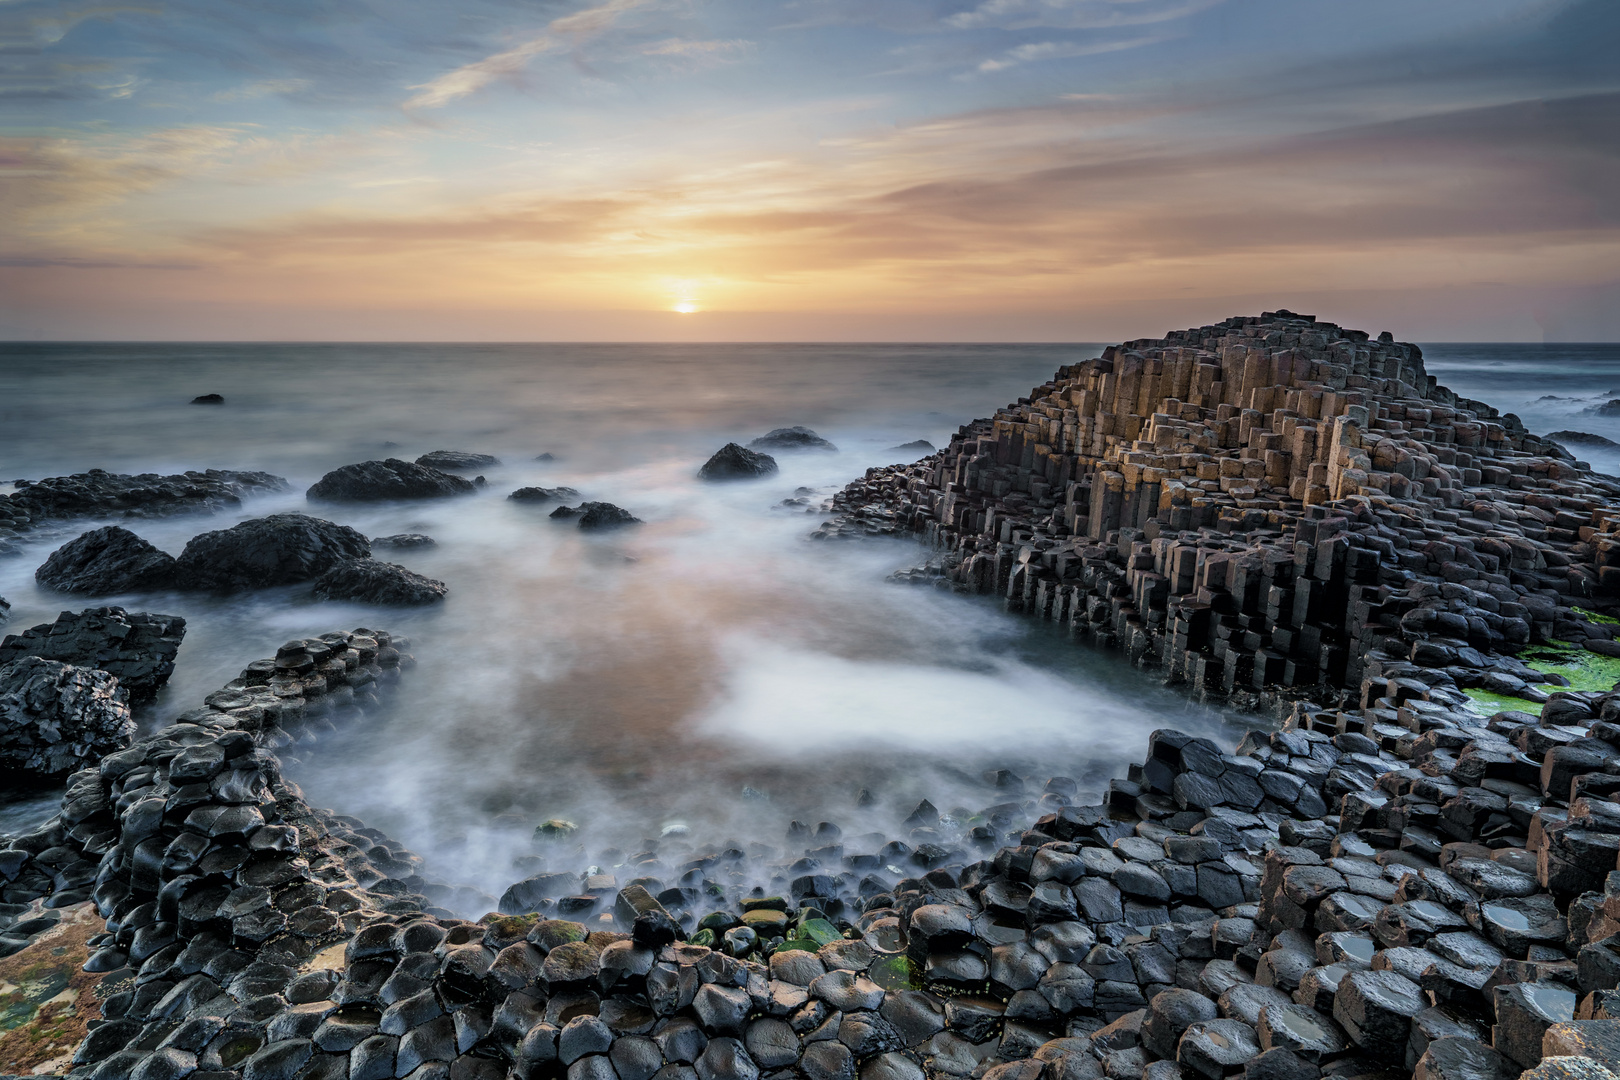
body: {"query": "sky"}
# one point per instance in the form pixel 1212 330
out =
pixel 985 170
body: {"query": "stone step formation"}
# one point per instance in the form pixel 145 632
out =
pixel 1265 505
pixel 1390 884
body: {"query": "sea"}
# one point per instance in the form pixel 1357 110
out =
pixel 712 675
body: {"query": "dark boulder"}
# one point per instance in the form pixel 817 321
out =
pixel 374 582
pixel 791 438
pixel 563 513
pixel 733 462
pixel 208 399
pixel 457 459
pixel 281 549
pixel 404 541
pixel 543 495
pixel 57 718
pixel 377 481
pixel 1581 438
pixel 916 446
pixel 106 561
pixel 104 494
pixel 1608 408
pixel 601 515
pixel 138 648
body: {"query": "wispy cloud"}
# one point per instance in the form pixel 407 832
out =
pixel 1061 50
pixel 706 50
pixel 1074 14
pixel 262 88
pixel 561 33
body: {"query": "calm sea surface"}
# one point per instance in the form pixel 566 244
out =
pixel 638 682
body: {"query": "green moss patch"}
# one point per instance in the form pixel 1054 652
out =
pixel 1594 617
pixel 896 973
pixel 1488 704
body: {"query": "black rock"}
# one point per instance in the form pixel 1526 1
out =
pixel 208 399
pixel 138 649
pixel 563 513
pixel 542 495
pixel 374 582
pixel 57 718
pixel 601 515
pixel 281 549
pixel 404 541
pixel 916 446
pixel 733 462
pixel 457 459
pixel 106 561
pixel 1584 438
pixel 376 481
pixel 547 456
pixel 106 494
pixel 791 438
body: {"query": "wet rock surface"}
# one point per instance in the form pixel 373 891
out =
pixel 107 561
pixel 543 494
pixel 791 439
pixel 99 493
pixel 391 478
pixel 733 462
pixel 56 717
pixel 404 541
pixel 375 582
pixel 281 549
pixel 135 647
pixel 457 460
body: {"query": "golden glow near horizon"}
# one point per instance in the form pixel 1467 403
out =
pixel 980 169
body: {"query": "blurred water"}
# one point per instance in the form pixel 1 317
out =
pixel 642 680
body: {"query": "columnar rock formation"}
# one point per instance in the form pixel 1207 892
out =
pixel 135 647
pixel 1264 503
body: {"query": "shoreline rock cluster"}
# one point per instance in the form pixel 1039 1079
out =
pixel 1393 883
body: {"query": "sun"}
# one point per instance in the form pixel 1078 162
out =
pixel 686 307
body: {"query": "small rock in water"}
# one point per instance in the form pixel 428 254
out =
pixel 1608 408
pixel 541 495
pixel 1583 438
pixel 791 438
pixel 916 446
pixel 106 561
pixel 376 481
pixel 374 582
pixel 208 399
pixel 404 541
pixel 457 459
pixel 733 462
pixel 56 718
pixel 601 515
pixel 547 456
pixel 562 513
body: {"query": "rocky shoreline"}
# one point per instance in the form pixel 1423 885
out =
pixel 1416 874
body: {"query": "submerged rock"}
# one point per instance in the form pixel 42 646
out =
pixel 733 462
pixel 602 515
pixel 404 541
pixel 56 718
pixel 457 459
pixel 916 446
pixel 281 549
pixel 562 513
pixel 101 493
pixel 106 561
pixel 374 582
pixel 541 494
pixel 136 647
pixel 208 399
pixel 791 438
pixel 1583 438
pixel 391 478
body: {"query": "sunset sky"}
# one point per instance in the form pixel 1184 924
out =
pixel 806 169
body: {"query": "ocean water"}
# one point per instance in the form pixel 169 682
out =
pixel 711 673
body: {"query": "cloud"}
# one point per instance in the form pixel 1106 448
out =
pixel 697 49
pixel 1061 50
pixel 262 88
pixel 561 33
pixel 1074 14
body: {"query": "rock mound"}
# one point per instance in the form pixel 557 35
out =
pixel 101 493
pixel 57 718
pixel 791 438
pixel 391 478
pixel 1583 438
pixel 733 462
pixel 1608 408
pixel 374 582
pixel 404 541
pixel 457 459
pixel 208 399
pixel 106 561
pixel 916 446
pixel 135 647
pixel 277 550
pixel 542 495
pixel 602 515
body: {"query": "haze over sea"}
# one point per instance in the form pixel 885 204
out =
pixel 712 670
